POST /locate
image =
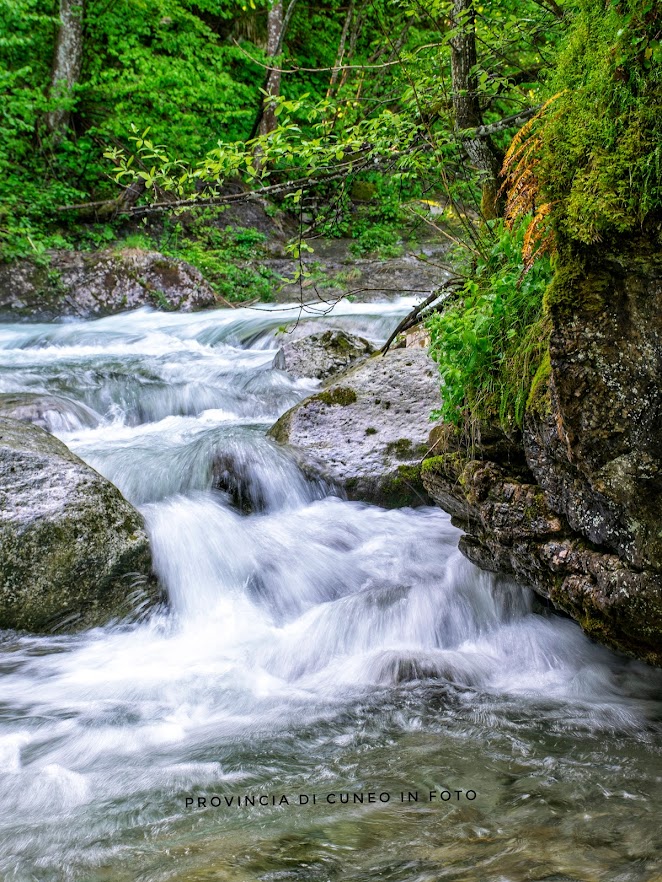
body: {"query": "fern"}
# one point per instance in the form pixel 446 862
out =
pixel 521 184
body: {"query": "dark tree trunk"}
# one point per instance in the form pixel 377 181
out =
pixel 67 62
pixel 482 152
pixel 274 43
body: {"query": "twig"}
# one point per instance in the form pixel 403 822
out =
pixel 291 70
pixel 415 316
pixel 508 122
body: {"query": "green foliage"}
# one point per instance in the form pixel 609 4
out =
pixel 376 238
pixel 164 64
pixel 491 339
pixel 190 74
pixel 602 159
pixel 228 257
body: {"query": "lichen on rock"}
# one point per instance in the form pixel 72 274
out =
pixel 99 283
pixel 323 354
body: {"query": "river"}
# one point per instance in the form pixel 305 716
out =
pixel 404 716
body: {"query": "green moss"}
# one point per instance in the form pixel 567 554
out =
pixel 404 449
pixel 403 488
pixel 601 165
pixel 341 395
pixel 451 465
pixel 409 472
pixel 362 191
pixel 432 464
pixel 576 284
pixel 280 431
pixel 371 430
pixel 538 401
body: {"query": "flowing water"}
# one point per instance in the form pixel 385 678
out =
pixel 392 712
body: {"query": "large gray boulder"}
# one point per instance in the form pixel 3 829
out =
pixel 91 284
pixel 73 551
pixel 367 432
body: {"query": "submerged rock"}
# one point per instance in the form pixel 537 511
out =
pixel 73 551
pixel 99 283
pixel 322 355
pixel 55 413
pixel 367 432
pixel 258 475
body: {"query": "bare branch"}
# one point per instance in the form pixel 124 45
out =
pixel 508 122
pixel 342 67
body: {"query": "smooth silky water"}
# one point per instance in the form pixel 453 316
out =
pixel 316 646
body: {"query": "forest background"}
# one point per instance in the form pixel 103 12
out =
pixel 524 132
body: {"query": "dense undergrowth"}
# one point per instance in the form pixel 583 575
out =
pixel 229 257
pixel 490 341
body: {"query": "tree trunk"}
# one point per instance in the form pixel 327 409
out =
pixel 482 152
pixel 67 63
pixel 274 41
pixel 341 49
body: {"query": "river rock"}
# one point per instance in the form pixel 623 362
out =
pixel 99 283
pixel 367 432
pixel 73 552
pixel 322 355
pixel 55 413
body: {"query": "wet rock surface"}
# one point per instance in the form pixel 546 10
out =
pixel 94 284
pixel 73 552
pixel 511 528
pixel 367 432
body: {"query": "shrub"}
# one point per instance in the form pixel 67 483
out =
pixel 490 341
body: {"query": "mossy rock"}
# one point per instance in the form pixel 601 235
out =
pixel 340 395
pixel 323 355
pixel 73 552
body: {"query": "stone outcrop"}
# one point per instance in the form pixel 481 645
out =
pixel 367 431
pixel 99 283
pixel 573 506
pixel 322 355
pixel 73 552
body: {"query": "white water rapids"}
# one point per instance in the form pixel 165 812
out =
pixel 314 646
